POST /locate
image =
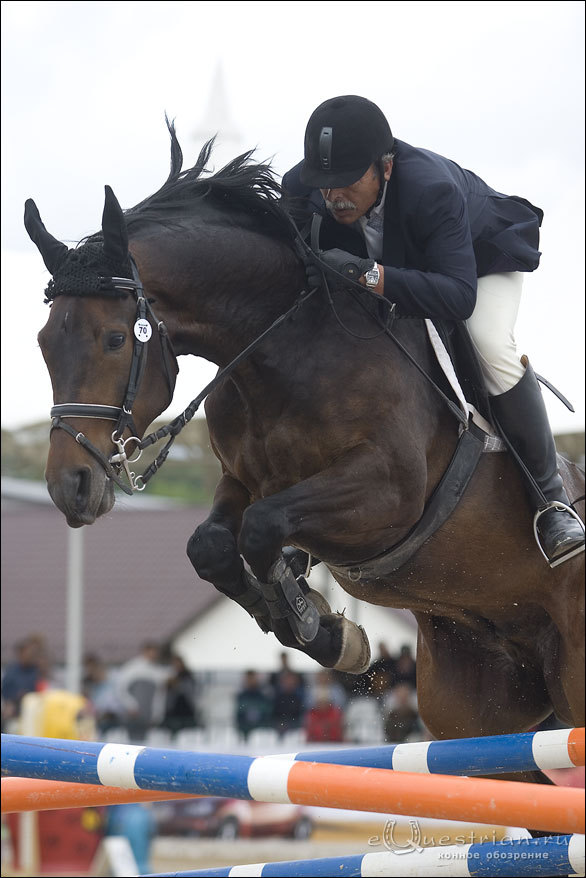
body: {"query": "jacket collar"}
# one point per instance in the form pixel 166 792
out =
pixel 393 242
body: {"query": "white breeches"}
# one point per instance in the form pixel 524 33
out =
pixel 491 327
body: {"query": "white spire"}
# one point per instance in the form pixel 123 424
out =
pixel 217 121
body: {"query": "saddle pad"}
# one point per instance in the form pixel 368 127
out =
pixel 492 442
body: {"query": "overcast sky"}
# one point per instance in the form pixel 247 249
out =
pixel 496 86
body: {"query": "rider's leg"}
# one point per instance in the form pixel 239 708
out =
pixel 517 405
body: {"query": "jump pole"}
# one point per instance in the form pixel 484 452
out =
pixel 21 794
pixel 559 748
pixel 562 855
pixel 496 754
pixel 281 779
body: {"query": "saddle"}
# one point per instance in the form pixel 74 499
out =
pixel 462 353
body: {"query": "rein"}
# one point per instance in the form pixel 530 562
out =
pixel 358 293
pixel 123 414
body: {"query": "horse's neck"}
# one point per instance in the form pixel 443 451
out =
pixel 218 288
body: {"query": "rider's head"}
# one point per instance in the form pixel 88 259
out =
pixel 348 155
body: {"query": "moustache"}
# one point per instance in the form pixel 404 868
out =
pixel 340 205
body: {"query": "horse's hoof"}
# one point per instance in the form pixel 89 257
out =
pixel 355 651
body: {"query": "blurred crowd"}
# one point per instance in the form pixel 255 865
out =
pixel 155 690
pixel 320 705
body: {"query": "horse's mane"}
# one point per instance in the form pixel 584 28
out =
pixel 242 185
pixel 243 192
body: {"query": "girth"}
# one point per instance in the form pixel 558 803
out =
pixel 438 509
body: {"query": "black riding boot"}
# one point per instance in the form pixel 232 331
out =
pixel 521 415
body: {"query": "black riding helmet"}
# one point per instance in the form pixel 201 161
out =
pixel 344 136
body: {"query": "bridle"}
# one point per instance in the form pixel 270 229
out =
pixel 122 415
pixel 119 461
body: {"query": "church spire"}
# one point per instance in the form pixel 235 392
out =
pixel 217 121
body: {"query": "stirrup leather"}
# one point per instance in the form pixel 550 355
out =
pixel 556 504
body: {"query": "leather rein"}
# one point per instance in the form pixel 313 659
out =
pixel 119 463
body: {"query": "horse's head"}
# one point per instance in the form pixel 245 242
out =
pixel 95 344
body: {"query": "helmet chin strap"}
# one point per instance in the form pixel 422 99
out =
pixel 381 188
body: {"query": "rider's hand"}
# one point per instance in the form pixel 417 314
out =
pixel 346 264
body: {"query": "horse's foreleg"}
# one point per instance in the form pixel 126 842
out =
pixel 213 551
pixel 335 511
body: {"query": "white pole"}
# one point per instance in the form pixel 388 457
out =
pixel 74 624
pixel 28 842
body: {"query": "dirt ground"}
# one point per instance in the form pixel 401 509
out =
pixel 179 854
pixel 169 854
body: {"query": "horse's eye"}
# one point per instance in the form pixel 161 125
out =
pixel 116 340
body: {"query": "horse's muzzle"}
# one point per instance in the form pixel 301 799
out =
pixel 82 494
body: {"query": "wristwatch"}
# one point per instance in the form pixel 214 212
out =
pixel 372 276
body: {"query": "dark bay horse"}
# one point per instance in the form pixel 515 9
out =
pixel 330 441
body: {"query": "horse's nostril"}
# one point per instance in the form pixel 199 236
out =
pixel 82 488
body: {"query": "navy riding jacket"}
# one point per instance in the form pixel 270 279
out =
pixel 443 229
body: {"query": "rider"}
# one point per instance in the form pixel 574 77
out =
pixel 434 239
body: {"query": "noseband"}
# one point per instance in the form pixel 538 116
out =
pixel 122 415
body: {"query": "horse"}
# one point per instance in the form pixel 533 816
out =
pixel 332 441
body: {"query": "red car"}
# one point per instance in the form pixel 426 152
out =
pixel 231 818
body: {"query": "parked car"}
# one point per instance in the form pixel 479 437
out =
pixel 231 818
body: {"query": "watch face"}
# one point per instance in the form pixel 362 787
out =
pixel 372 277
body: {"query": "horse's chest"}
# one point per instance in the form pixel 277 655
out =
pixel 273 457
pixel 283 456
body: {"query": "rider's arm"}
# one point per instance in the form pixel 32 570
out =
pixel 446 288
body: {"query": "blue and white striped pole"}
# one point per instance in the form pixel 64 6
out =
pixel 558 855
pixel 286 780
pixel 495 754
pixel 559 748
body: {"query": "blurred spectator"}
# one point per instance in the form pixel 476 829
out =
pixel 288 703
pixel 355 685
pixel 135 822
pixel 26 674
pixel 46 678
pixel 283 673
pixel 181 710
pixel 324 721
pixel 101 688
pixel 401 717
pixel 325 680
pixel 254 708
pixel 142 689
pixel 58 713
pixel 405 668
pixel 385 663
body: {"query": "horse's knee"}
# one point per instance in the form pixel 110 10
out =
pixel 263 532
pixel 213 553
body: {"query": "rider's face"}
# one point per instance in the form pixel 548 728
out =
pixel 349 203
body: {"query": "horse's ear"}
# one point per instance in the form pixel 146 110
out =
pixel 114 229
pixel 52 250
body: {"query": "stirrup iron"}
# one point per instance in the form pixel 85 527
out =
pixel 556 504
